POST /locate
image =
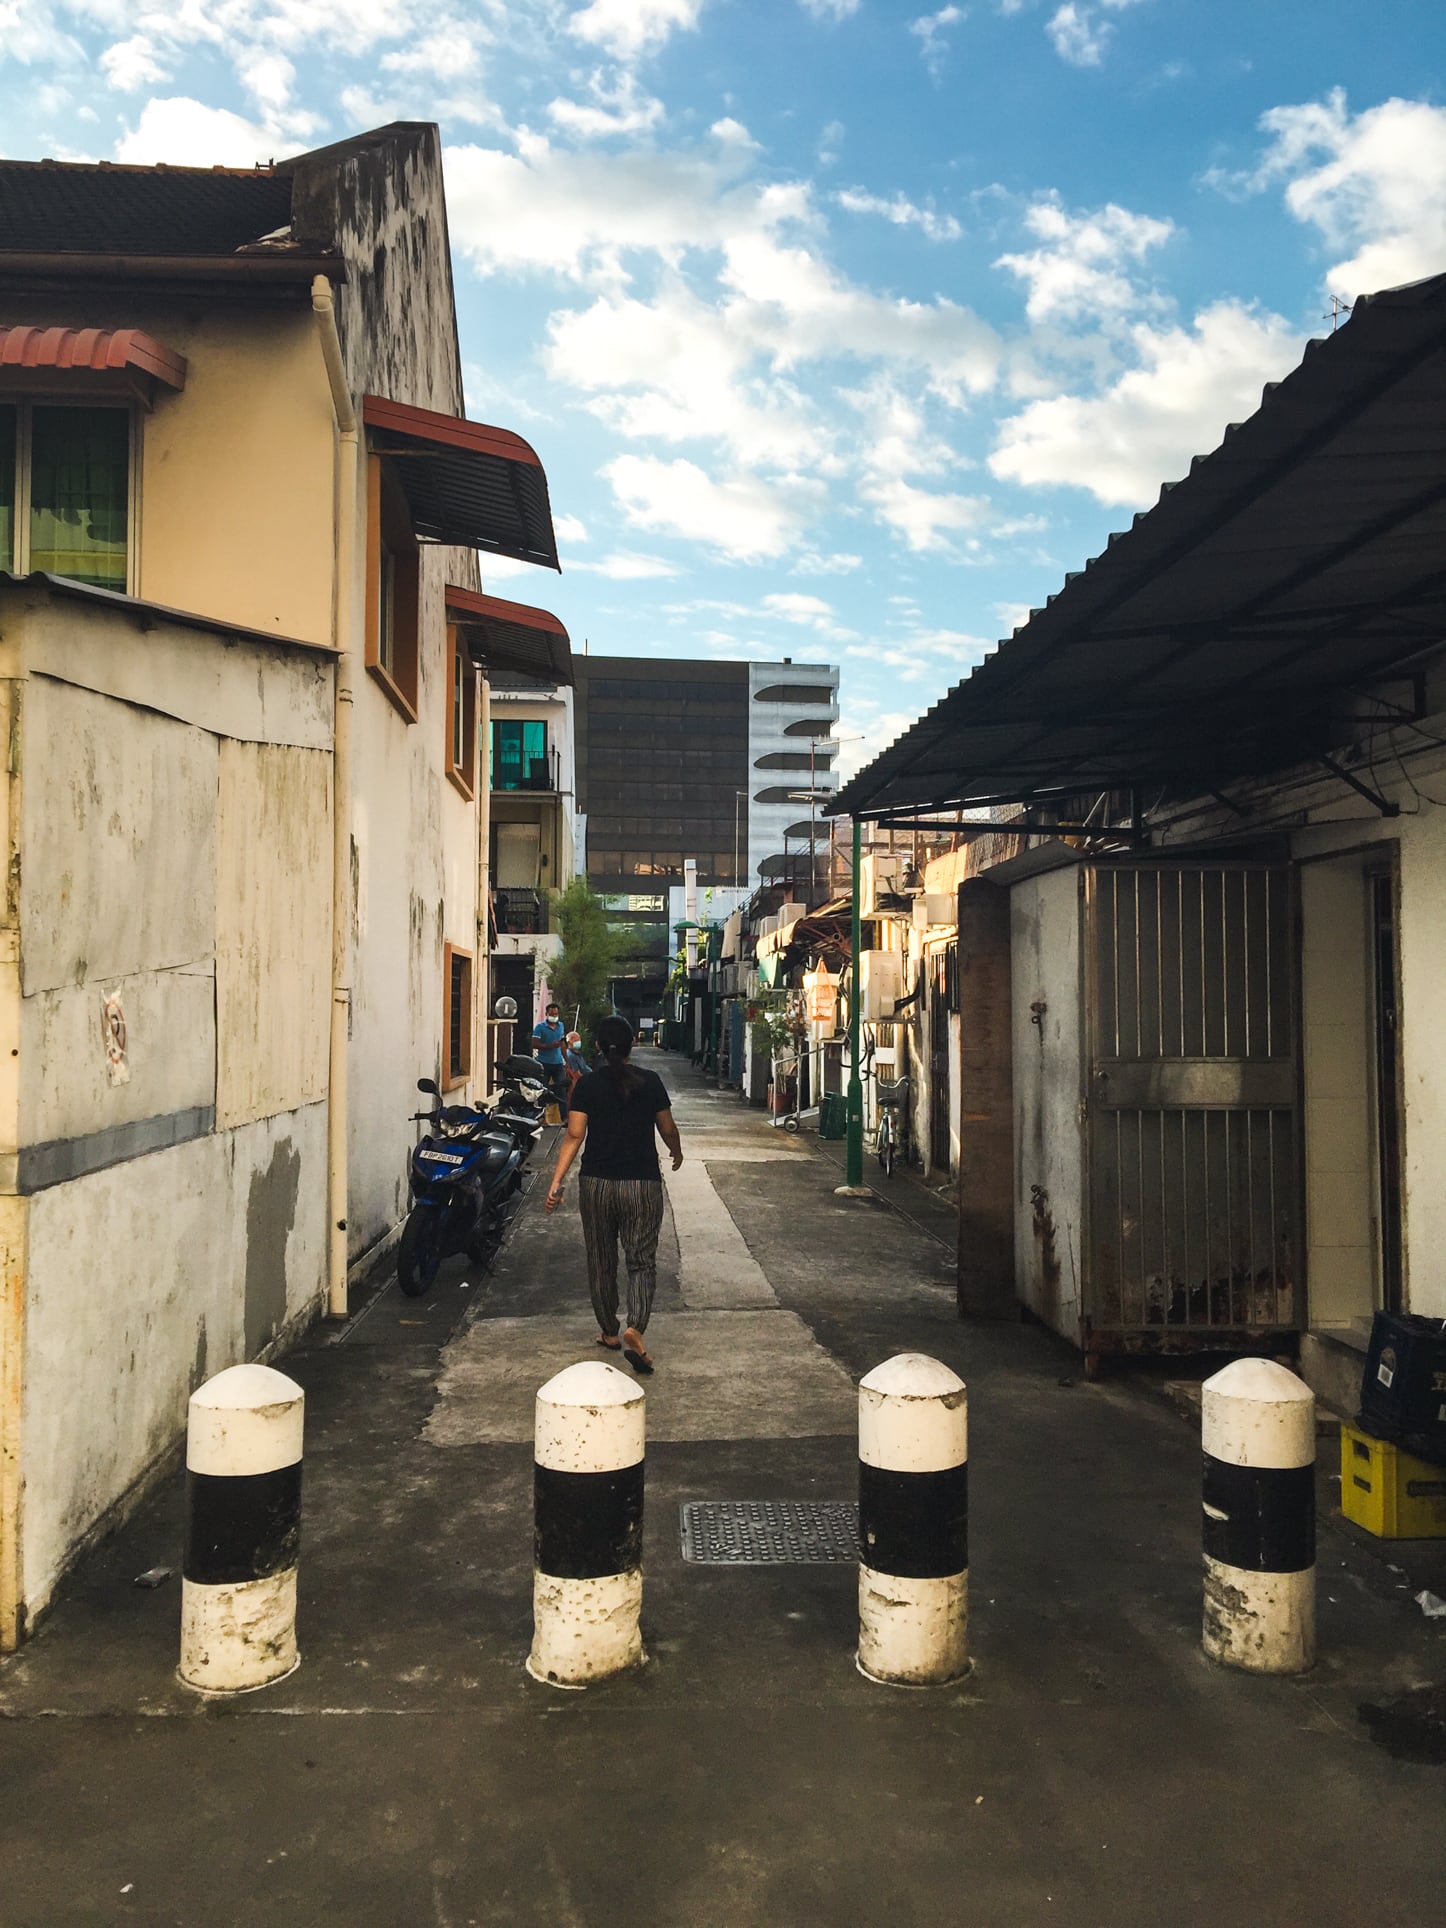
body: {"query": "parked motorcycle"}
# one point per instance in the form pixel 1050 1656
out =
pixel 522 1101
pixel 463 1172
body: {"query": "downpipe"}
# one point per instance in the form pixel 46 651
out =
pixel 344 623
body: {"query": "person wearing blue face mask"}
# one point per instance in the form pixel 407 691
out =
pixel 547 1036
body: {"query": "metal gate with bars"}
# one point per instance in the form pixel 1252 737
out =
pixel 1191 1112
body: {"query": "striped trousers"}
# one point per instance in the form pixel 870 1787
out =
pixel 629 1210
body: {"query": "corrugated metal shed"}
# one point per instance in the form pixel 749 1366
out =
pixel 1301 559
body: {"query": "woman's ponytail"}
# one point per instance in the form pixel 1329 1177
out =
pixel 615 1041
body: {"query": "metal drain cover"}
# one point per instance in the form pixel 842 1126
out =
pixel 770 1532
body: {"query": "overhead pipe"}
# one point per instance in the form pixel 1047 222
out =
pixel 343 624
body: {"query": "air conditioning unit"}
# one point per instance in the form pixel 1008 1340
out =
pixel 881 985
pixel 934 907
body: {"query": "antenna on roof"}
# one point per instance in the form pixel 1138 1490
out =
pixel 1339 309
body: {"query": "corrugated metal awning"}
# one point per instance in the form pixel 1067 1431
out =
pixel 512 636
pixel 466 483
pixel 92 349
pixel 1218 637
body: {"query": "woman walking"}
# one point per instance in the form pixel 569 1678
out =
pixel 615 1112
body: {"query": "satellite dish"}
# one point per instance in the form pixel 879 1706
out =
pixel 505 1007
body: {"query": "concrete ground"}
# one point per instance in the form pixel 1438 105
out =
pixel 1094 1769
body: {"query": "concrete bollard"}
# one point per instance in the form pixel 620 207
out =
pixel 1258 1438
pixel 243 1530
pixel 587 1583
pixel 913 1523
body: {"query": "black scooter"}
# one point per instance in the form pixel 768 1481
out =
pixel 463 1172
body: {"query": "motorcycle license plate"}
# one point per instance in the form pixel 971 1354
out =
pixel 441 1158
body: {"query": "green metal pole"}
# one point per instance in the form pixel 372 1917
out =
pixel 855 1106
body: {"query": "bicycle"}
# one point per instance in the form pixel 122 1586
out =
pixel 891 1100
pixel 891 1096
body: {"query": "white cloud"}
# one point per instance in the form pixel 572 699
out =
pixel 807 612
pixel 585 216
pixel 742 516
pixel 930 30
pixel 901 211
pixel 188 134
pixel 924 654
pixel 628 29
pixel 1078 33
pixel 830 9
pixel 625 565
pixel 618 107
pixel 1013 615
pixel 898 445
pixel 1175 403
pixel 568 528
pixel 838 564
pixel 1081 269
pixel 673 370
pixel 1371 184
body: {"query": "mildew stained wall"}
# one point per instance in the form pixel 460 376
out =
pixel 189 872
pixel 414 837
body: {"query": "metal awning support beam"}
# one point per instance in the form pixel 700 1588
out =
pixel 1383 804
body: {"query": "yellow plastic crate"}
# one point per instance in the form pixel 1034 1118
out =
pixel 1388 1492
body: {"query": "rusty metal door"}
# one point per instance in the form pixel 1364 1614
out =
pixel 1192 1129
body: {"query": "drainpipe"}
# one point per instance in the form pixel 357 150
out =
pixel 349 458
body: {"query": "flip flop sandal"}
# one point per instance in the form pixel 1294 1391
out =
pixel 639 1361
pixel 609 1345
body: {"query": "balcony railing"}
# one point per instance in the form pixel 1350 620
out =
pixel 521 913
pixel 535 773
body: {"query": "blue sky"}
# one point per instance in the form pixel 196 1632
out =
pixel 843 327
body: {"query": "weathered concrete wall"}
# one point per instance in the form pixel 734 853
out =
pixel 118 895
pixel 142 1281
pixel 414 837
pixel 273 931
pixel 190 875
pixel 1047 1064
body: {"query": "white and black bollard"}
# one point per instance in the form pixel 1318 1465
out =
pixel 1258 1438
pixel 587 1583
pixel 913 1523
pixel 243 1530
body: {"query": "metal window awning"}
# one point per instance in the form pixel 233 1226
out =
pixel 466 483
pixel 92 351
pixel 1222 636
pixel 511 636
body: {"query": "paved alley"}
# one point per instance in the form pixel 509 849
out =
pixel 1094 1769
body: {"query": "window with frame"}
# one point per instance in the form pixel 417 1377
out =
pixel 519 755
pixel 456 1016
pixel 65 491
pixel 461 760
pixel 394 590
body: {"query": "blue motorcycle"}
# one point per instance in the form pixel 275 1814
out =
pixel 464 1170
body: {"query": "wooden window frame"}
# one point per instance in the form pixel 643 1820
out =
pixel 463 775
pixel 452 1078
pixel 389 523
pixel 25 400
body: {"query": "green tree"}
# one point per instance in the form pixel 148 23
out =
pixel 579 977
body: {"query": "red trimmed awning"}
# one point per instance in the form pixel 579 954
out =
pixel 466 483
pixel 511 636
pixel 94 350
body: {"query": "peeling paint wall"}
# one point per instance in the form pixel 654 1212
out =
pixel 186 877
pixel 273 930
pixel 142 1281
pixel 414 835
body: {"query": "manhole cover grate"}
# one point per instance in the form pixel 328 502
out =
pixel 768 1532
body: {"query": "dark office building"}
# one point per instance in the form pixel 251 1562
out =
pixel 679 759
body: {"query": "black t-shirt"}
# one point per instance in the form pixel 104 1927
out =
pixel 621 1142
